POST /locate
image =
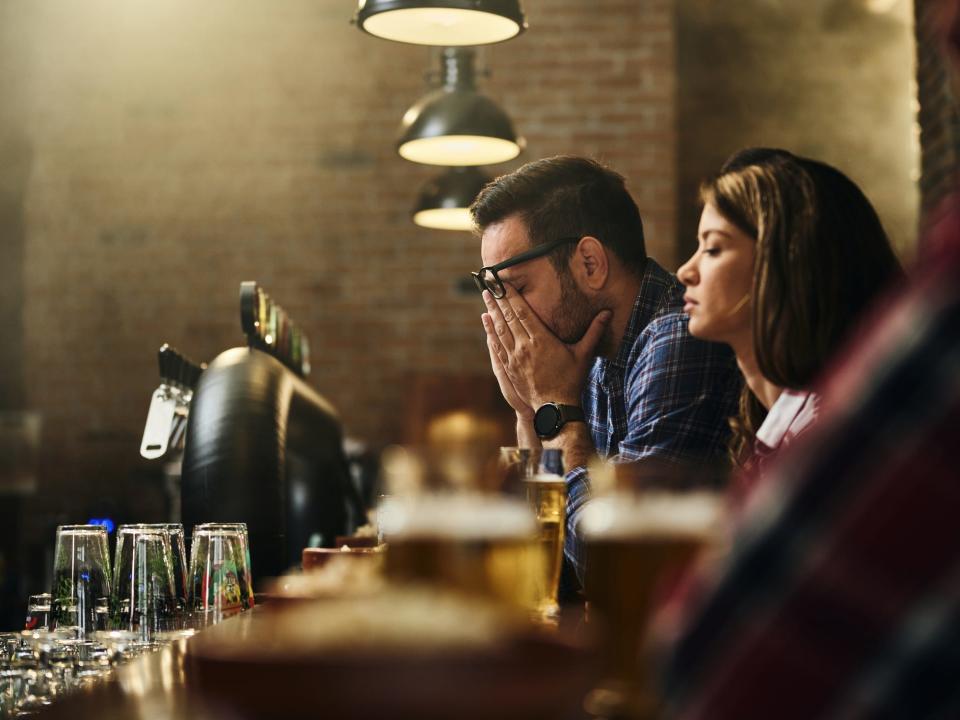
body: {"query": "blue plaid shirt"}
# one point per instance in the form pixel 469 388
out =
pixel 666 395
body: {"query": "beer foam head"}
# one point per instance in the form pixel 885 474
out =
pixel 547 478
pixel 456 516
pixel 654 513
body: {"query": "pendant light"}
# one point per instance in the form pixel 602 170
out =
pixel 441 22
pixel 456 125
pixel 444 202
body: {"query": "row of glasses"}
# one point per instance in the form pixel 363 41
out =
pixel 37 666
pixel 152 588
pixel 95 619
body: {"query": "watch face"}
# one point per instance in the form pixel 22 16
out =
pixel 546 420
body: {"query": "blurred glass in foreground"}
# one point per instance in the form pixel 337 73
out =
pixel 637 542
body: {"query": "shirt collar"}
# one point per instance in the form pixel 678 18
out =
pixel 654 285
pixel 792 411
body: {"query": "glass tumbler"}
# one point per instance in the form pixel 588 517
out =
pixel 38 612
pixel 145 598
pixel 81 574
pixel 248 598
pixel 178 557
pixel 219 580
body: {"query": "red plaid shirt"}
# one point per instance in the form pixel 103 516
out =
pixel 841 597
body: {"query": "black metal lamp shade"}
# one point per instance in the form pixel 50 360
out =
pixel 457 128
pixel 445 200
pixel 442 22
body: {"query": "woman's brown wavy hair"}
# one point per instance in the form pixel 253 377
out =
pixel 822 257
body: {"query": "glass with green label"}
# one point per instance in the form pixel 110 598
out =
pixel 219 578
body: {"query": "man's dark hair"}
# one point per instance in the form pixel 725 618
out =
pixel 566 196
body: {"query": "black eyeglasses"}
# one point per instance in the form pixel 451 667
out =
pixel 488 279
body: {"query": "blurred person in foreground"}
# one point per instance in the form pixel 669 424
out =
pixel 586 334
pixel 841 598
pixel 790 253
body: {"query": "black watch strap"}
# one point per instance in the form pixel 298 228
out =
pixel 551 417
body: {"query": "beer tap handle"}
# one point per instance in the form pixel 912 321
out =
pixel 163 361
pixel 183 372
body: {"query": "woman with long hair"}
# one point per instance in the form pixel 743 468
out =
pixel 790 253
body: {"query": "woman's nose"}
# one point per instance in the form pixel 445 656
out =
pixel 687 274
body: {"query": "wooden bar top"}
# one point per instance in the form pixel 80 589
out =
pixel 153 686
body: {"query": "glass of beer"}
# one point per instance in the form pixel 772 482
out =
pixel 546 493
pixel 481 545
pixel 635 543
pixel 515 465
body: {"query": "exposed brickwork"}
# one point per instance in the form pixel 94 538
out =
pixel 939 114
pixel 178 148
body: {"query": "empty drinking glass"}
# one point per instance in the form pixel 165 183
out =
pixel 145 598
pixel 178 557
pixel 9 643
pixel 81 574
pixel 248 597
pixel 219 581
pixel 38 612
pixel 11 691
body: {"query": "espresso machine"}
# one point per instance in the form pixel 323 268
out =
pixel 263 447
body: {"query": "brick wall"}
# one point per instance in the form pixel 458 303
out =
pixel 176 148
pixel 939 115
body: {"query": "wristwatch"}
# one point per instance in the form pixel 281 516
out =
pixel 551 416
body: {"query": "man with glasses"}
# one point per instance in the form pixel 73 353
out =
pixel 586 334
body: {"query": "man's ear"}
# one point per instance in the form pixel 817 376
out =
pixel 590 263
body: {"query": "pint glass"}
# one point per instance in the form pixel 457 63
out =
pixel 481 545
pixel 547 496
pixel 633 543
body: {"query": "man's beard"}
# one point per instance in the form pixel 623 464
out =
pixel 572 317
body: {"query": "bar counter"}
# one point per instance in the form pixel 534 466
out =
pixel 153 686
pixel 546 680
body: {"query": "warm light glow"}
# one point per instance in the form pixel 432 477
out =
pixel 459 150
pixel 441 26
pixel 444 219
pixel 880 7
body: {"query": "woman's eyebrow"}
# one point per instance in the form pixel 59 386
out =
pixel 716 231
